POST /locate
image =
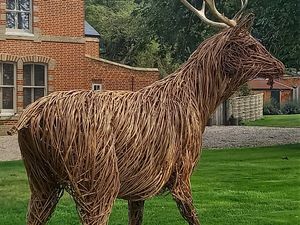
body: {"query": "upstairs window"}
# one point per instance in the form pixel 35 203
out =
pixel 7 88
pixel 18 15
pixel 34 87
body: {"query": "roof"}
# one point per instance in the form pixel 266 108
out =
pixel 89 30
pixel 262 84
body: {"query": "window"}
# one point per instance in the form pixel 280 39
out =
pixel 97 87
pixel 35 77
pixel 18 15
pixel 7 88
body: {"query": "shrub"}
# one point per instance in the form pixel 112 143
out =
pixel 272 108
pixel 233 121
pixel 291 108
pixel 244 90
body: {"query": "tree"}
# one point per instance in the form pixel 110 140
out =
pixel 119 27
pixel 163 33
pixel 175 28
pixel 277 26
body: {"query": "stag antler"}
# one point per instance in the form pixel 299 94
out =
pixel 225 22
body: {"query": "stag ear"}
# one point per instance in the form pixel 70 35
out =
pixel 244 22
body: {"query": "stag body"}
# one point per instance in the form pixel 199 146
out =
pixel 133 145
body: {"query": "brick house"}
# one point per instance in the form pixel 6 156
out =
pixel 294 82
pixel 284 90
pixel 47 46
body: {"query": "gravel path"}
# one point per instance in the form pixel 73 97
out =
pixel 214 137
pixel 232 136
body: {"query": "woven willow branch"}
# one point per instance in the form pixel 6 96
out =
pixel 133 145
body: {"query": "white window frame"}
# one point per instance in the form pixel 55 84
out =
pixel 32 87
pixel 16 31
pixel 8 112
pixel 97 87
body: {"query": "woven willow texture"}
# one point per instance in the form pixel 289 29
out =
pixel 247 107
pixel 134 145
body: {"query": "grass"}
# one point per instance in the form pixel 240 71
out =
pixel 251 186
pixel 277 121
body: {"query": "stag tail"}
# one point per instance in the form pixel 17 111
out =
pixel 12 131
pixel 27 115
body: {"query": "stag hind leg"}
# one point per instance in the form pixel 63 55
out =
pixel 45 191
pixel 94 206
pixel 42 205
pixel 95 198
pixel 95 182
pixel 135 212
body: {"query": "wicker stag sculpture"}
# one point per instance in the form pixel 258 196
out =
pixel 100 146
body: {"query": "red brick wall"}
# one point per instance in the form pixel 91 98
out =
pixel 286 96
pixel 114 77
pixel 55 17
pixel 58 41
pixel 73 70
pixel 60 17
pixel 92 47
pixel 69 59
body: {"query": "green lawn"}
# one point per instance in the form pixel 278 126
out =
pixel 253 186
pixel 277 121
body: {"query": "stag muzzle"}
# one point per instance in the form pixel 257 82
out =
pixel 269 67
pixel 273 70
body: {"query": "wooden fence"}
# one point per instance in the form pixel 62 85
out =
pixel 246 107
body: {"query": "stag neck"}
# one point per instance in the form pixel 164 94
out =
pixel 206 90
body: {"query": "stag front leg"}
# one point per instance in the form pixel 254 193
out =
pixel 183 197
pixel 135 212
pixel 180 188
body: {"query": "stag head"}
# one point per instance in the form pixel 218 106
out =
pixel 234 52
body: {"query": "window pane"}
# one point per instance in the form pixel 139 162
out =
pixel 38 93
pixel 10 4
pixel 96 87
pixel 8 74
pixel 27 96
pixel 8 98
pixel 23 21
pixel 27 75
pixel 10 20
pixel 39 75
pixel 24 5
